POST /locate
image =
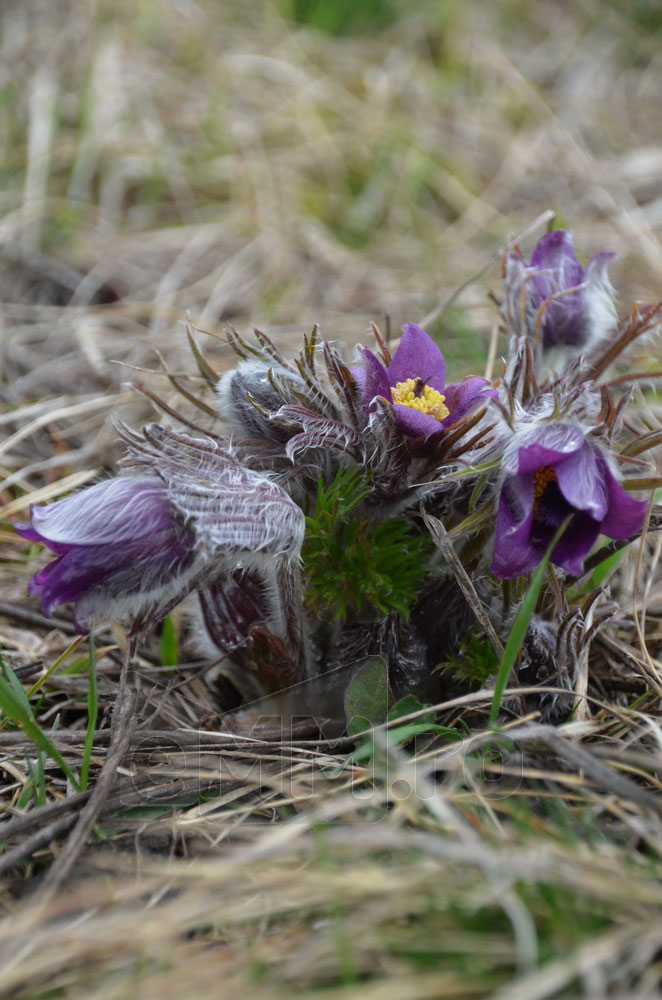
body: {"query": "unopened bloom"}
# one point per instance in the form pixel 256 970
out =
pixel 119 544
pixel 551 472
pixel 247 399
pixel 415 385
pixel 564 303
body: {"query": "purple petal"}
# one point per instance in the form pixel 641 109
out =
pixel 461 397
pixel 555 252
pixel 418 356
pixel 375 380
pixel 626 515
pixel 514 552
pixel 413 422
pixel 576 542
pixel 581 482
pixel 564 319
pixel 25 531
pixel 120 540
pixel 103 514
pixel 359 375
pixel 543 445
pixel 144 564
pixel 39 580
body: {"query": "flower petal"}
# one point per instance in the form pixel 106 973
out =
pixel 582 483
pixel 413 422
pixel 563 319
pixel 626 515
pixel 576 542
pixel 461 397
pixel 543 444
pixel 418 356
pixel 238 514
pixel 142 566
pixel 375 380
pixel 103 514
pixel 514 552
pixel 555 253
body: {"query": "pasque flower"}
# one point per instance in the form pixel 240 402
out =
pixel 414 383
pixel 550 472
pixel 565 303
pixel 133 547
pixel 118 544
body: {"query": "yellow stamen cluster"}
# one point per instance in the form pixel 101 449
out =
pixel 541 480
pixel 413 392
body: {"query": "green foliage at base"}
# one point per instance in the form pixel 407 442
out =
pixel 352 564
pixel 475 661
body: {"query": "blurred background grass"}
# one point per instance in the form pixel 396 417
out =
pixel 306 161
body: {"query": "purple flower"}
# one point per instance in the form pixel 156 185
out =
pixel 414 384
pixel 120 547
pixel 551 471
pixel 569 305
pixel 131 548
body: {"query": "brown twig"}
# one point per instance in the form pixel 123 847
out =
pixel 465 584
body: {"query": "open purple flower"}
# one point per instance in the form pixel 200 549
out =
pixel 551 471
pixel 570 305
pixel 415 385
pixel 120 545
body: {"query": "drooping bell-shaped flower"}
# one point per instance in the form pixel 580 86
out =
pixel 120 546
pixel 133 547
pixel 562 303
pixel 551 472
pixel 414 384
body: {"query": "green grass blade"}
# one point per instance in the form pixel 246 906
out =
pixel 520 625
pixel 16 688
pixel 169 647
pixel 14 705
pixel 14 709
pixel 599 575
pixel 51 670
pixel 92 714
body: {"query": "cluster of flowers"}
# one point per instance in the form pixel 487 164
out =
pixel 504 464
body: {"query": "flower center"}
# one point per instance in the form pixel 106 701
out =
pixel 542 479
pixel 415 393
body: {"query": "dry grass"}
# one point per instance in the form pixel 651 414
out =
pixel 163 159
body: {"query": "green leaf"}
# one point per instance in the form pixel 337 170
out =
pixel 367 697
pixel 474 661
pixel 51 670
pixel 406 706
pixel 353 563
pixel 169 646
pixel 18 709
pixel 16 688
pixel 520 626
pixel 402 734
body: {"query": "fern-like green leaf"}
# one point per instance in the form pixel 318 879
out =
pixel 355 565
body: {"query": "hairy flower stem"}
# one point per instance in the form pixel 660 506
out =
pixel 285 590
